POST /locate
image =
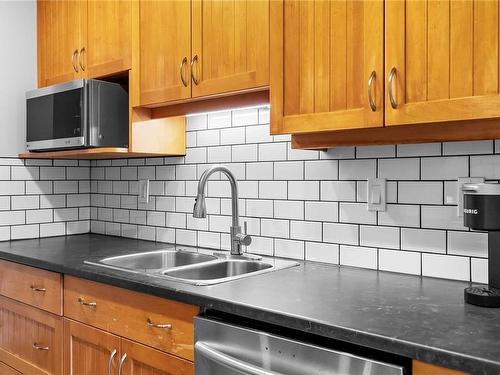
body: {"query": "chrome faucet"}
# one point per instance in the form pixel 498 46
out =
pixel 238 239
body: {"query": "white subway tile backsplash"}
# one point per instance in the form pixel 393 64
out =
pixel 487 166
pixel 208 138
pixel 357 169
pixel 289 170
pixel 13 187
pixel 272 151
pixel 219 154
pixel 297 154
pixel 18 232
pixel 322 252
pixel 289 249
pixel 400 215
pixel 284 209
pixel 39 216
pixel 12 217
pixel 468 148
pixel 364 257
pixel 54 173
pixel 473 244
pixel 421 192
pixel 244 153
pixel 322 211
pixel 441 217
pixel 445 168
pixel 259 208
pixel 260 171
pixel 347 234
pixel 25 173
pixel 232 136
pixel 377 236
pixel 382 151
pixel 196 122
pixel 420 149
pixel 303 190
pixel 399 169
pixel 479 270
pixel 273 189
pixel 24 202
pixel 322 170
pixel 338 190
pixel 258 134
pixel 427 240
pixel 219 119
pixel 399 261
pixel 306 230
pixel 356 213
pixel 246 116
pixel 446 266
pixel 275 228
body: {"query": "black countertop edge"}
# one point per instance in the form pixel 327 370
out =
pixel 448 359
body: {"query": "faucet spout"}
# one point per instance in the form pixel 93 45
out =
pixel 238 239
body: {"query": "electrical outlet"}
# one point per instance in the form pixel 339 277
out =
pixel 460 193
pixel 376 190
pixel 143 191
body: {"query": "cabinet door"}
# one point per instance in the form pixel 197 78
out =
pixel 230 45
pixel 89 350
pixel 30 339
pixel 444 59
pixel 59 25
pixel 165 39
pixel 109 38
pixel 7 370
pixel 326 65
pixel 141 360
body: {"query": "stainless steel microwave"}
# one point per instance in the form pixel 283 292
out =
pixel 77 114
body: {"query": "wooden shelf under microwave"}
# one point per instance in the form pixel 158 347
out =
pixel 88 154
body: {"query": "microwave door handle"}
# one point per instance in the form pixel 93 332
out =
pixel 230 362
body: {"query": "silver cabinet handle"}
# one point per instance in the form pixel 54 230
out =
pixel 40 347
pixel 194 63
pixel 82 302
pixel 392 75
pixel 181 71
pixel 122 361
pixel 73 60
pixel 110 362
pixel 230 362
pixel 80 59
pixel 38 289
pixel 372 78
pixel 150 323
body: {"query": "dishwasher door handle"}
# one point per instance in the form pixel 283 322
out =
pixel 231 362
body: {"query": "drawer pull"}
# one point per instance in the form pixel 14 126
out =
pixel 38 289
pixel 153 325
pixel 122 361
pixel 40 347
pixel 110 362
pixel 82 302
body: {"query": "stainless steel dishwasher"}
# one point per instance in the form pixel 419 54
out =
pixel 226 349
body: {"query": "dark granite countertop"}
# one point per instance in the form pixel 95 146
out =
pixel 420 318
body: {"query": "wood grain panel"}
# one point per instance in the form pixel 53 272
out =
pixel 108 37
pixel 142 360
pixel 7 370
pixel 327 51
pixel 461 48
pixel 19 282
pixel 23 327
pixel 88 350
pixel 231 40
pixel 126 313
pixel 59 35
pixel 165 40
pixel 447 61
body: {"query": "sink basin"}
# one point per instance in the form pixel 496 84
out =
pixel 156 261
pixel 218 270
pixel 183 265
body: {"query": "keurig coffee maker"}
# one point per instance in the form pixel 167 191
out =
pixel 482 212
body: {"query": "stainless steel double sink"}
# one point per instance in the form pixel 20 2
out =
pixel 192 267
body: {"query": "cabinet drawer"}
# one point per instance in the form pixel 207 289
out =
pixel 30 339
pixel 157 322
pixel 35 287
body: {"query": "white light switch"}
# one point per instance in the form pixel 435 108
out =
pixel 143 191
pixel 376 194
pixel 460 193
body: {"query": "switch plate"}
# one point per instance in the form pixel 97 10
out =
pixel 460 194
pixel 376 194
pixel 143 191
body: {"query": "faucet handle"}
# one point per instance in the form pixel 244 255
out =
pixel 244 239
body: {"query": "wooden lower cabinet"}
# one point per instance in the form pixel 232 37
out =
pixel 142 360
pixel 422 368
pixel 89 350
pixel 31 339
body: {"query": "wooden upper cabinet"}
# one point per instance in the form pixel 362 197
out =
pixel 230 46
pixel 165 51
pixel 59 33
pixel 108 33
pixel 326 65
pixel 445 61
pixel 89 350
